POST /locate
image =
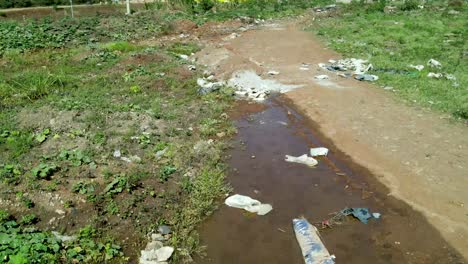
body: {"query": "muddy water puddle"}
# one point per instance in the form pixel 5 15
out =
pixel 257 169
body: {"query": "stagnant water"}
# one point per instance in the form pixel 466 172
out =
pixel 258 170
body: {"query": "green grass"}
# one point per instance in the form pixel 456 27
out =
pixel 396 40
pixel 94 87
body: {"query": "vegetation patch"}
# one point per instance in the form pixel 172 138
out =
pixel 394 39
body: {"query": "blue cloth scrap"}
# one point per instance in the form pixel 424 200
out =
pixel 362 214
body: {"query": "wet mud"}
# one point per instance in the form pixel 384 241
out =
pixel 257 169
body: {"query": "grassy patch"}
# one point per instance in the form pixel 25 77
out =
pixel 393 41
pixel 88 103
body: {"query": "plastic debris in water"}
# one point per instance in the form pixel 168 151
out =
pixel 318 152
pixel 313 249
pixel 376 215
pixel 304 159
pixel 362 214
pixel 248 204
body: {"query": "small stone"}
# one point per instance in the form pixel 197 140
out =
pixel 164 229
pixel 164 253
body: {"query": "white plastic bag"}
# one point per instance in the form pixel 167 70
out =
pixel 248 204
pixel 318 152
pixel 304 159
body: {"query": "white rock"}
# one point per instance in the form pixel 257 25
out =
pixel 164 253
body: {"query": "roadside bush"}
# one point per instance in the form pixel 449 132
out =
pixel 409 5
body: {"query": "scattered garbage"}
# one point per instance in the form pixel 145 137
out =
pixel 232 36
pixel 362 214
pixel 345 75
pixel 183 56
pixel 304 159
pixel 164 229
pixel 434 64
pixel 366 77
pixel 192 67
pixel 325 8
pixel 249 84
pixel 322 77
pixel 435 75
pixel 450 77
pixel 313 249
pixel 417 67
pixel 273 73
pixel 318 151
pixel 134 158
pixel 340 217
pixel 357 66
pixel 117 153
pixel 207 86
pixel 248 204
pixel 304 67
pixel 63 238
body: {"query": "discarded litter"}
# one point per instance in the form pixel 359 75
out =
pixel 357 66
pixel 360 213
pixel 450 77
pixel 192 67
pixel 435 75
pixel 434 64
pixel 318 151
pixel 313 249
pixel 273 73
pixel 417 67
pixel 164 229
pixel 366 77
pixel 338 218
pixel 345 75
pixel 304 67
pixel 184 57
pixel 248 204
pixel 325 8
pixel 249 84
pixel 304 159
pixel 63 238
pixel 117 153
pixel 207 86
pixel 322 77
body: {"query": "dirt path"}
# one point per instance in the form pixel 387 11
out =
pixel 418 155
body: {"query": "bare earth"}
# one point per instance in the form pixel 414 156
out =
pixel 419 155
